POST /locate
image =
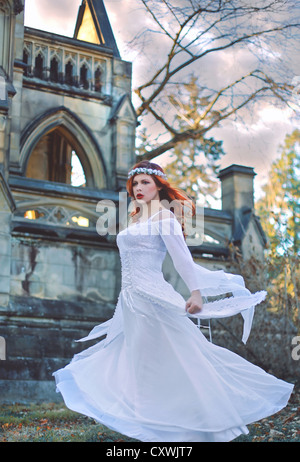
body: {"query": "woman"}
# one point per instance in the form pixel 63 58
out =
pixel 155 377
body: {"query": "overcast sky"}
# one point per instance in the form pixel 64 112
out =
pixel 254 144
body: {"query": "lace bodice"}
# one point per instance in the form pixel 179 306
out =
pixel 143 247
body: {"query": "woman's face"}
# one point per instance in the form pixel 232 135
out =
pixel 145 188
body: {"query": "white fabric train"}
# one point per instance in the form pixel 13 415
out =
pixel 155 377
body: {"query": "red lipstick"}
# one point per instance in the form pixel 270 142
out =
pixel 139 196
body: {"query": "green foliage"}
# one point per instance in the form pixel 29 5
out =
pixel 279 211
pixel 194 170
pixel 193 166
pixel 282 199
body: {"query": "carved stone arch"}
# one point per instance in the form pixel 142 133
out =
pixel 6 5
pixel 40 50
pixel 15 6
pixel 85 72
pixel 71 59
pixel 56 53
pixel 77 133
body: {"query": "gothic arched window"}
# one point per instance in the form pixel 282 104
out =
pixel 54 70
pixel 83 77
pixel 69 73
pixel 38 67
pixel 25 61
pixel 98 82
pixel 55 158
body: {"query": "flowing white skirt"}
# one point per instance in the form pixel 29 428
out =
pixel 156 378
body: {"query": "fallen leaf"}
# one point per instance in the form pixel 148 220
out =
pixel 288 419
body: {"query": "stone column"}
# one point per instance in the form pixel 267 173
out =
pixel 16 102
pixel 238 196
pixel 7 206
pixel 237 187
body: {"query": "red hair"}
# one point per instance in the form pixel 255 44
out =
pixel 167 192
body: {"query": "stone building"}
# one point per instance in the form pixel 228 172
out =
pixel 67 136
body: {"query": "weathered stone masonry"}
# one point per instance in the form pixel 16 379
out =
pixel 64 102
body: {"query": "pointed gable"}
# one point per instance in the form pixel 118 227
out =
pixel 124 110
pixel 93 25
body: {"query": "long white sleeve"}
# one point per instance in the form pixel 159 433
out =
pixel 170 231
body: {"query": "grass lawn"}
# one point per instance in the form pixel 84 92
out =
pixel 51 422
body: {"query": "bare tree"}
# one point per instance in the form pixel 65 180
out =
pixel 192 30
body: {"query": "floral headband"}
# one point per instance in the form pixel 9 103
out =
pixel 147 171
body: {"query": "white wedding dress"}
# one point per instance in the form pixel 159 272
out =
pixel 155 377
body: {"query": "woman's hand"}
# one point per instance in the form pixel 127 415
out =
pixel 194 304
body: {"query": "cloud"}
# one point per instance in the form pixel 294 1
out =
pixel 254 142
pixel 57 16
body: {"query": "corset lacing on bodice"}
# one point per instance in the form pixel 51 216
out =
pixel 141 269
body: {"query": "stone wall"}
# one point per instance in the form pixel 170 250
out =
pixel 58 292
pixel 7 205
pixel 66 271
pixel 57 281
pixel 40 338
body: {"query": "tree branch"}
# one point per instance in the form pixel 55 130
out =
pixel 146 102
pixel 225 25
pixel 199 133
